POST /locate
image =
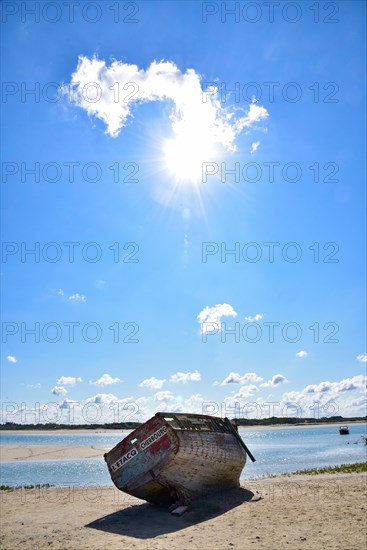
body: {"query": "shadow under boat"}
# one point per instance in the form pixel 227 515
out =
pixel 144 521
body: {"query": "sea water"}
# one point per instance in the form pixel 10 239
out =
pixel 277 450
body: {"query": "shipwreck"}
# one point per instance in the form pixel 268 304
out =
pixel 173 459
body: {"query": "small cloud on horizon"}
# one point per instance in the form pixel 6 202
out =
pixel 59 390
pixel 302 354
pixel 275 381
pixel 255 318
pixel 183 377
pixel 11 359
pixel 68 403
pixel 68 380
pixel 105 380
pixel 102 399
pixel 163 396
pixel 235 378
pixel 153 382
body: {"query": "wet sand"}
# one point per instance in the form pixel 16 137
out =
pixel 298 512
pixel 51 452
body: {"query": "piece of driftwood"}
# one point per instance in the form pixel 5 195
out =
pixel 179 511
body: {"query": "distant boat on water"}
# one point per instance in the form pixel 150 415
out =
pixel 344 430
pixel 175 458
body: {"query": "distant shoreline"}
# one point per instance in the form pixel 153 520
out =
pixel 115 431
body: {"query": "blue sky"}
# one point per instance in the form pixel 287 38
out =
pixel 155 276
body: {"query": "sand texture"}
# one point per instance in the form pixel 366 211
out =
pixel 298 512
pixel 51 452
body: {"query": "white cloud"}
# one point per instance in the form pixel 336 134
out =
pixel 254 147
pixel 302 354
pixel 168 402
pixel 247 391
pixel 255 318
pixel 251 377
pixel 210 318
pixel 194 403
pixel 347 384
pixel 77 298
pixel 68 380
pixel 235 378
pixel 102 399
pixel 109 93
pixel 11 359
pixel 100 283
pixel 318 388
pixel 163 396
pixel 60 292
pixel 59 390
pixel 232 378
pixel 362 358
pixel 255 114
pixel 275 381
pixel 34 386
pixel 68 404
pixel 184 377
pixel 105 380
pixel 345 397
pixel 152 383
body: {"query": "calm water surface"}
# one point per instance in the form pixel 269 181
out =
pixel 277 450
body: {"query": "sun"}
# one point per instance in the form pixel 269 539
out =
pixel 186 154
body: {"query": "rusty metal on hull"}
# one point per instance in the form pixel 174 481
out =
pixel 174 458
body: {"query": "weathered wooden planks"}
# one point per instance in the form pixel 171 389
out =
pixel 172 459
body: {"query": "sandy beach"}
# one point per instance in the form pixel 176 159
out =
pixel 298 512
pixel 50 452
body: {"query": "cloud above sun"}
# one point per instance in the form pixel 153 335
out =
pixel 202 126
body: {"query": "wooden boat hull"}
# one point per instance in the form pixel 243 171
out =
pixel 165 464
